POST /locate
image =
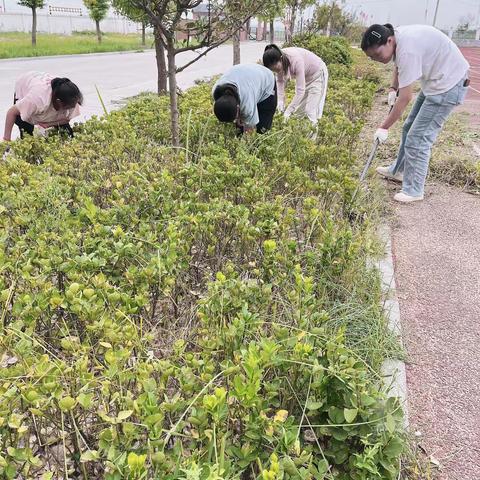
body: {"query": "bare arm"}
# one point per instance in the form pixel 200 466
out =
pixel 10 122
pixel 394 84
pixel 404 98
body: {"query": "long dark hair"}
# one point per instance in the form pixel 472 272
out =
pixel 377 35
pixel 226 103
pixel 67 92
pixel 272 55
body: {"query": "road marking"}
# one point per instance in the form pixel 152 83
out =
pixel 474 89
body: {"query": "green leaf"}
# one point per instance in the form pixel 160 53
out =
pixel 89 456
pixel 124 414
pixel 67 403
pixel 136 462
pixel 394 448
pixel 390 424
pixel 85 399
pixel 312 406
pixel 350 414
pixel 336 415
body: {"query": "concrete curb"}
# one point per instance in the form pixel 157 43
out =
pixel 393 371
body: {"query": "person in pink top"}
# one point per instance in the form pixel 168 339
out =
pixel 44 100
pixel 311 79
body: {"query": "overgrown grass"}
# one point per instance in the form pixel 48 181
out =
pixel 13 45
pixel 206 313
pixel 454 159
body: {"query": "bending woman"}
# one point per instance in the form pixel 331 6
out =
pixel 420 52
pixel 311 80
pixel 246 95
pixel 41 99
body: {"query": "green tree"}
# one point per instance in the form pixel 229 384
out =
pixel 270 11
pixel 98 10
pixel 33 5
pixel 225 18
pixel 292 7
pixel 332 19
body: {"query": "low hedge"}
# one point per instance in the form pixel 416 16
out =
pixel 190 313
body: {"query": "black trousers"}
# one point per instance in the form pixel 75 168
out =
pixel 266 112
pixel 26 127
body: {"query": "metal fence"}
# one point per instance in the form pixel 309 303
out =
pixel 278 37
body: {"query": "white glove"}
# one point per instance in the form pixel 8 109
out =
pixel 286 115
pixel 6 153
pixel 392 98
pixel 381 135
pixel 281 107
pixel 40 131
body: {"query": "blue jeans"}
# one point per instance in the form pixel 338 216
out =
pixel 420 131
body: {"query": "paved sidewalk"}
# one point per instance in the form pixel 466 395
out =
pixel 436 247
pixel 117 75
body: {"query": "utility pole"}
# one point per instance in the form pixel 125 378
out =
pixel 436 12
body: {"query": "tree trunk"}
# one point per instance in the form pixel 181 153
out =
pixel 161 65
pixel 293 18
pixel 172 87
pixel 329 24
pixel 144 42
pixel 99 32
pixel 258 30
pixel 247 28
pixel 292 24
pixel 34 27
pixel 329 27
pixel 264 32
pixel 236 48
pixel 272 30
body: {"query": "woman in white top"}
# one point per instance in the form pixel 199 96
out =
pixel 420 52
pixel 311 79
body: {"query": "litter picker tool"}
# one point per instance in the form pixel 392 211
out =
pixel 368 163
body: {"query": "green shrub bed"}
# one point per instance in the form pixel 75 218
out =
pixel 333 50
pixel 197 313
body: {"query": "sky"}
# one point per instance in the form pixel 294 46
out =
pixel 402 12
pixel 397 12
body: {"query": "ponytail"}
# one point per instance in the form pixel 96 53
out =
pixel 272 55
pixel 377 35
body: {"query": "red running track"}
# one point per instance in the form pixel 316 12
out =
pixel 472 103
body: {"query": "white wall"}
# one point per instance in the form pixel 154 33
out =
pixel 64 24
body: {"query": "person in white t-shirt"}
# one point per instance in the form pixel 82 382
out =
pixel 420 52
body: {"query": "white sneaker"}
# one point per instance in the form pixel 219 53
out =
pixel 384 172
pixel 404 198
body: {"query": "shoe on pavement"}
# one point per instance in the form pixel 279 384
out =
pixel 404 198
pixel 384 172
